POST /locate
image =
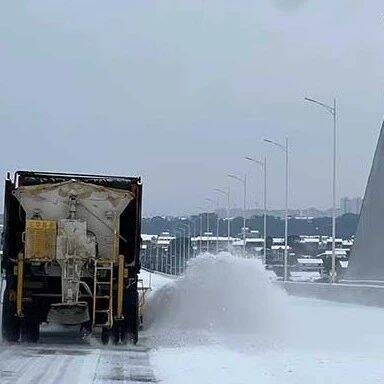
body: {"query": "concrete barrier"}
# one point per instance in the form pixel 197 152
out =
pixel 365 294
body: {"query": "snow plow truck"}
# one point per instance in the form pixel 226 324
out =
pixel 71 245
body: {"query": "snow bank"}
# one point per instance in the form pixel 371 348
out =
pixel 154 280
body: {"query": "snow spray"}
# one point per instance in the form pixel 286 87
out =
pixel 218 294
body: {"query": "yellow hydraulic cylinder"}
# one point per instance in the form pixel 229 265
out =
pixel 20 278
pixel 120 287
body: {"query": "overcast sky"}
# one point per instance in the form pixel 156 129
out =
pixel 179 91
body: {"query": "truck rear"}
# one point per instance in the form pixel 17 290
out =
pixel 71 248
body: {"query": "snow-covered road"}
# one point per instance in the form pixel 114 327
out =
pixel 351 353
pixel 62 358
pixel 224 322
pixel 229 325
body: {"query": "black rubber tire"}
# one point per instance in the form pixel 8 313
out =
pixel 115 333
pixel 10 327
pixel 130 326
pixel 135 338
pixel 86 329
pixel 30 331
pixel 120 334
pixel 105 334
pixel 123 336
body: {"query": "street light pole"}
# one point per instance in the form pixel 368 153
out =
pixel 217 222
pixel 263 165
pixel 176 266
pixel 286 210
pixel 162 260
pixel 183 255
pixel 285 149
pixel 156 256
pixel 213 205
pixel 182 247
pixel 208 231
pixel 244 181
pixel 229 218
pixel 178 233
pixel 265 210
pixel 201 229
pixel 194 235
pixel 150 256
pixel 187 254
pixel 333 111
pixel 227 194
pixel 173 264
pixel 217 225
pixel 169 257
pixel 245 212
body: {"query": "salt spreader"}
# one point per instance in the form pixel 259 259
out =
pixel 71 246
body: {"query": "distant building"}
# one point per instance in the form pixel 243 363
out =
pixel 350 205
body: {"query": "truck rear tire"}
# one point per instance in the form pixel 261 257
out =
pixel 105 334
pixel 119 333
pixel 30 331
pixel 10 328
pixel 130 329
pixel 115 333
pixel 123 336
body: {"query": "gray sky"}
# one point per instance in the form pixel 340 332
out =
pixel 179 91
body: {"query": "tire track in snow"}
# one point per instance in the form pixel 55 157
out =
pixel 63 364
pixel 125 366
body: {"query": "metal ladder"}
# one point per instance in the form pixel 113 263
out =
pixel 102 294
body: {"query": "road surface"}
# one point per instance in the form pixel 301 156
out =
pixel 63 358
pixel 226 323
pixel 266 337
